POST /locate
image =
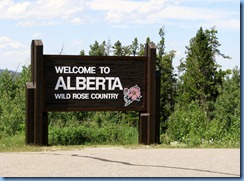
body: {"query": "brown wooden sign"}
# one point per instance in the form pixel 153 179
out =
pixel 91 83
pixel 86 83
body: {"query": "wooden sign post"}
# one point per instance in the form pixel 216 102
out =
pixel 149 121
pixel 90 83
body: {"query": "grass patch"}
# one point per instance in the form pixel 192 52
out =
pixel 17 144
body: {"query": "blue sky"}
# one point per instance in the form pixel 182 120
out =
pixel 78 23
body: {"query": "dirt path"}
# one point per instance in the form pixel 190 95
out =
pixel 122 162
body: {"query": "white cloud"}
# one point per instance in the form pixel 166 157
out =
pixel 13 53
pixel 113 5
pixel 118 13
pixel 6 42
pixel 29 13
pixel 158 12
pixel 127 11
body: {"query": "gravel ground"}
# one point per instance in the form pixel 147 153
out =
pixel 122 162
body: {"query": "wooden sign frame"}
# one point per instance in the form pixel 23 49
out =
pixel 91 83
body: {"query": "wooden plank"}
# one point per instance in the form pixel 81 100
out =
pixel 150 52
pixel 29 120
pixel 143 131
pixel 157 116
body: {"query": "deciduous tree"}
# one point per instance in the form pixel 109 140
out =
pixel 98 50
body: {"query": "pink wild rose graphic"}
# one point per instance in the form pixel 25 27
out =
pixel 132 94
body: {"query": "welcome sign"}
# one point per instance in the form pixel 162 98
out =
pixel 75 83
pixel 92 83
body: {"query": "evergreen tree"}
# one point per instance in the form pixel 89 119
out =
pixel 134 47
pixel 161 44
pixel 148 40
pixel 201 80
pixel 164 63
pixel 117 48
pixel 168 85
pixel 120 50
pixel 82 53
pixel 142 47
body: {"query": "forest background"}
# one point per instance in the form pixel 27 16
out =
pixel 199 102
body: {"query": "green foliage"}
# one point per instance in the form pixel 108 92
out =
pixel 161 44
pixel 164 63
pixel 226 122
pixel 135 47
pixel 82 53
pixel 97 50
pixel 75 128
pixel 188 124
pixel 201 79
pixel 168 85
pixel 100 131
pixel 12 104
pixel 118 51
pixel 218 98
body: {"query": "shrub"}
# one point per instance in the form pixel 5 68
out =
pixel 225 127
pixel 188 124
pixel 12 104
pixel 93 134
